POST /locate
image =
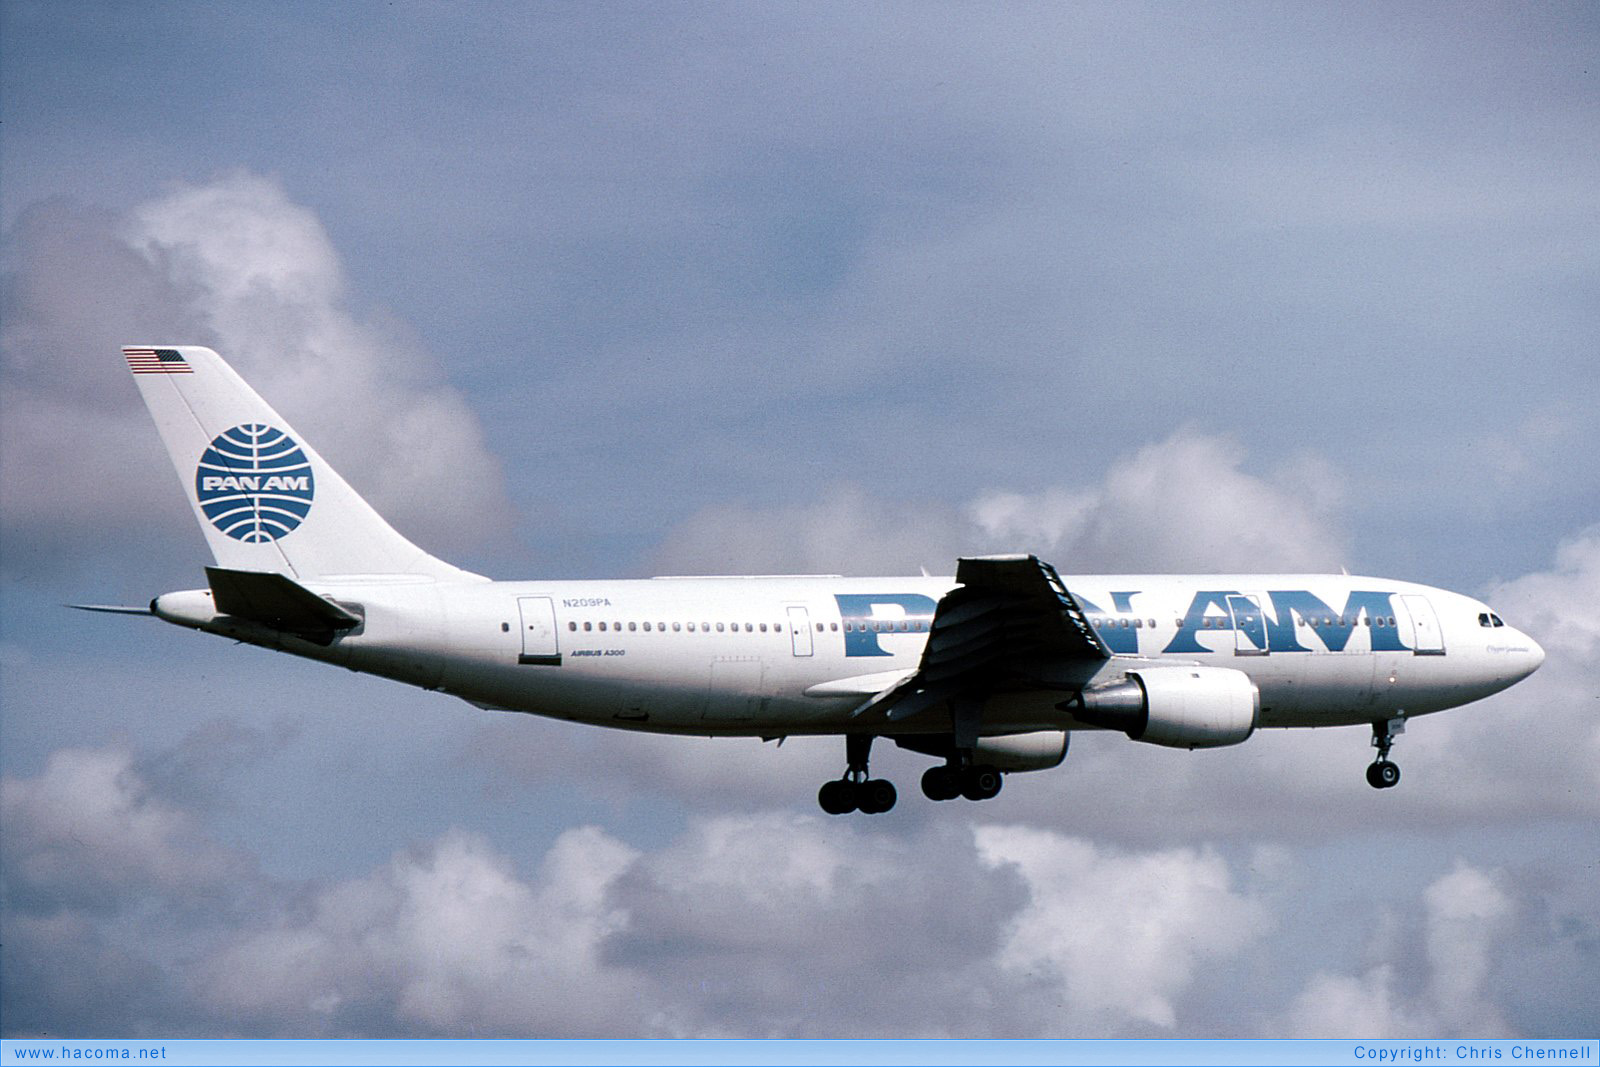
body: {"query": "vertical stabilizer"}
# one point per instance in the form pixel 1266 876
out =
pixel 263 496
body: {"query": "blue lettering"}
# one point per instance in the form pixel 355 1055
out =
pixel 1117 639
pixel 863 623
pixel 1333 629
pixel 1194 620
pixel 1218 609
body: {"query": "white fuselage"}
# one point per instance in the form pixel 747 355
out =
pixel 772 656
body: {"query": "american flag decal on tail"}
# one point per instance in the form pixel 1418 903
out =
pixel 156 361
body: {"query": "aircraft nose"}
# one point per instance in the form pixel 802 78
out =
pixel 1535 656
pixel 1523 655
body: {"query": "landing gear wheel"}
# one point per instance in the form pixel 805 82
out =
pixel 980 783
pixel 1383 774
pixel 875 796
pixel 941 783
pixel 837 797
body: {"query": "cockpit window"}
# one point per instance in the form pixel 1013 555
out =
pixel 1489 618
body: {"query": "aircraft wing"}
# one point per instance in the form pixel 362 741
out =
pixel 1008 615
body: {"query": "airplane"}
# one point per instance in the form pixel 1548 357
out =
pixel 990 671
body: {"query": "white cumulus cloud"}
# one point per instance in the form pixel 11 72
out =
pixel 1185 503
pixel 1467 917
pixel 237 265
pixel 1118 936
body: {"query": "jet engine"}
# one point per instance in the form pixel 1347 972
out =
pixel 1180 707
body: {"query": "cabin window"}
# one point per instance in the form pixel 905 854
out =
pixel 572 626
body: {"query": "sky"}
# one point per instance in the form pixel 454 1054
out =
pixel 614 290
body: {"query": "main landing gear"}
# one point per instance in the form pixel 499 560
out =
pixel 859 791
pixel 856 791
pixel 1384 774
pixel 953 780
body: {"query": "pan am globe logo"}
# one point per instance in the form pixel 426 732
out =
pixel 254 483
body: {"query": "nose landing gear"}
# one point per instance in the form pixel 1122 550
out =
pixel 856 791
pixel 1382 773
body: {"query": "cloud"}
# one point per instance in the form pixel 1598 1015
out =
pixel 1113 935
pixel 1181 504
pixel 1467 917
pixel 91 803
pixel 237 265
pixel 447 939
pixel 1560 606
pixel 123 912
pixel 763 923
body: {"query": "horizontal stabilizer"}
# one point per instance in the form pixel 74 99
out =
pixel 276 600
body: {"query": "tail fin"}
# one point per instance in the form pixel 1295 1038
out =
pixel 264 497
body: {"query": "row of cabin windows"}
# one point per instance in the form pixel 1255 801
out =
pixel 903 626
pixel 706 627
pixel 921 625
pixel 1224 622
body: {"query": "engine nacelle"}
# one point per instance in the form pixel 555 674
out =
pixel 1181 707
pixel 1022 752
